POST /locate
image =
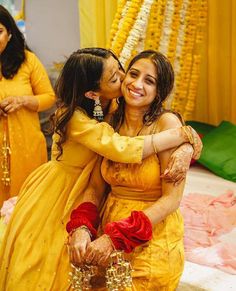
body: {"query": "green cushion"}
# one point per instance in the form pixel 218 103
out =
pixel 219 151
pixel 201 127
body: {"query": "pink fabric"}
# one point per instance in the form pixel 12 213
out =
pixel 207 218
pixel 7 209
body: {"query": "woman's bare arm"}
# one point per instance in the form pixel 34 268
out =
pixel 171 194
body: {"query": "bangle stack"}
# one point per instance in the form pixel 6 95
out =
pixel 188 133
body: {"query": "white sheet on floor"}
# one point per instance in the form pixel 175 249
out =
pixel 198 277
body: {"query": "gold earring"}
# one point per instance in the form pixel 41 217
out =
pixel 97 111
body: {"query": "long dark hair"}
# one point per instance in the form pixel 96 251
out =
pixel 14 54
pixel 82 72
pixel 165 82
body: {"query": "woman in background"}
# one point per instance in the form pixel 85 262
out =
pixel 141 215
pixel 25 90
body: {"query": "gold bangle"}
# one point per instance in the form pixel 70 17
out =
pixel 188 132
pixel 154 145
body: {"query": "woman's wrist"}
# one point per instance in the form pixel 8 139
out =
pixel 110 240
pixel 86 214
pixel 187 134
pixel 82 227
pixel 29 102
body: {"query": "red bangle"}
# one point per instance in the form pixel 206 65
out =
pixel 130 232
pixel 86 214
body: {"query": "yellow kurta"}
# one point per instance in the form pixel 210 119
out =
pixel 158 264
pixel 33 255
pixel 28 145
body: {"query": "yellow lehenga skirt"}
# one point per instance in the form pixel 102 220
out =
pixel 157 264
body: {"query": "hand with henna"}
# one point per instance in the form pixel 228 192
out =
pixel 196 143
pixel 77 245
pixel 99 251
pixel 178 164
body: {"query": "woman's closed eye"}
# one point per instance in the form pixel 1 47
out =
pixel 114 80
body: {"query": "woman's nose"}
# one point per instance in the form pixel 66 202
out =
pixel 137 83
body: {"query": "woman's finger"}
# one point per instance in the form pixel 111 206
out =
pixel 7 108
pixel 89 256
pixel 169 166
pixel 179 179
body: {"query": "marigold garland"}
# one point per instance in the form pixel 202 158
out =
pixel 174 27
pixel 115 23
pixel 174 31
pixel 154 28
pixel 135 34
pixel 126 21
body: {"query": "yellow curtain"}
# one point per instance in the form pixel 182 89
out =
pixel 21 14
pixel 216 99
pixel 95 17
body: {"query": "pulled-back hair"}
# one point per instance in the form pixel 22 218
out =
pixel 82 72
pixel 14 54
pixel 164 85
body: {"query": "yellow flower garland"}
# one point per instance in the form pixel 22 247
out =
pixel 126 22
pixel 174 31
pixel 186 20
pixel 154 29
pixel 116 21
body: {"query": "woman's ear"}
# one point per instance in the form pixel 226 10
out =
pixel 92 95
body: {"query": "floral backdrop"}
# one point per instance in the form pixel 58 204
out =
pixel 173 27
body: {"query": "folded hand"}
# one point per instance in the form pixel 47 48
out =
pixel 11 104
pixel 178 164
pixel 2 112
pixel 99 251
pixel 197 144
pixel 78 243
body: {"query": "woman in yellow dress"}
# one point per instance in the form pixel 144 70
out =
pixel 141 215
pixel 33 255
pixel 25 90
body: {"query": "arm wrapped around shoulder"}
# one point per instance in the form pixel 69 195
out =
pixel 130 232
pixel 86 214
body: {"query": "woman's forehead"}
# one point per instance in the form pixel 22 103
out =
pixel 110 68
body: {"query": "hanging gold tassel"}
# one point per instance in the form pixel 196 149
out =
pixel 6 152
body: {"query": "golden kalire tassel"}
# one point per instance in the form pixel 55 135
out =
pixel 80 277
pixel 5 155
pixel 118 273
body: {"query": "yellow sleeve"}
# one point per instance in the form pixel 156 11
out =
pixel 102 139
pixel 40 83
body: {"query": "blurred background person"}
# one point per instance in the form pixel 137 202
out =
pixel 25 89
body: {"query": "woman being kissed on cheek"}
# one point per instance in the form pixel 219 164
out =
pixel 141 213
